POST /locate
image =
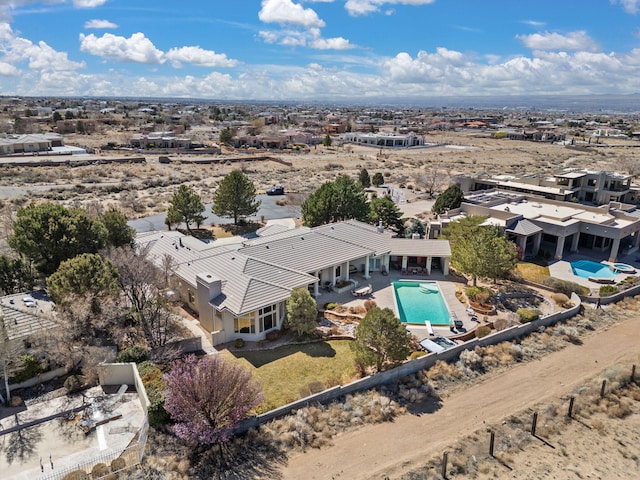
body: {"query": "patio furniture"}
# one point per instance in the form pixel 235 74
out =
pixel 362 292
pixel 327 286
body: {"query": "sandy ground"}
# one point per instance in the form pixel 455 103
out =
pixel 392 449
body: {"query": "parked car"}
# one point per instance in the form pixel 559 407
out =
pixel 279 190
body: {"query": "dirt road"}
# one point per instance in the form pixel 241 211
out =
pixel 390 449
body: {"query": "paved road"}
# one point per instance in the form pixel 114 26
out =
pixel 268 209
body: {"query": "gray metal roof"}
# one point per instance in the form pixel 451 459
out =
pixel 419 247
pixel 358 233
pixel 248 283
pixel 21 321
pixel 525 228
pixel 309 252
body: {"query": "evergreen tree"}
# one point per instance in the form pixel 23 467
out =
pixel 378 179
pixel 235 197
pixel 383 209
pixel 364 179
pixel 450 199
pixel 186 206
pixel 381 339
pixel 336 201
pixel 119 233
pixel 302 312
pixel 48 234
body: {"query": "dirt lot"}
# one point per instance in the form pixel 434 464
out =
pixel 146 188
pixel 393 449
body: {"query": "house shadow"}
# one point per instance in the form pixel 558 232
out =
pixel 258 358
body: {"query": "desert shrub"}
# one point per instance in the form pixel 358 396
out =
pixel 470 359
pixel 606 290
pixel 239 343
pixel 77 475
pixel 31 367
pixel 560 299
pixel 370 305
pixel 564 286
pixel 73 384
pixel 460 295
pixel 118 464
pixel 155 386
pixel 478 294
pixel 527 314
pixel 511 319
pixel 417 354
pixel 134 353
pixel 443 371
pixel 483 331
pixel 330 306
pixel 99 470
pixel 312 388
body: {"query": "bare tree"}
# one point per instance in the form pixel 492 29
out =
pixel 432 179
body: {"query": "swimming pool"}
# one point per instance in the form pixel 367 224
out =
pixel 589 268
pixel 420 301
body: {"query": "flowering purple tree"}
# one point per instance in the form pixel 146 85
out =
pixel 208 397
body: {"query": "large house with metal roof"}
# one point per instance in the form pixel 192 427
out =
pixel 239 288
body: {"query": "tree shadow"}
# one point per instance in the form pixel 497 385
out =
pixel 21 444
pixel 258 458
pixel 430 405
pixel 263 357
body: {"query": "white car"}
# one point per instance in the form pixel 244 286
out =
pixel 29 301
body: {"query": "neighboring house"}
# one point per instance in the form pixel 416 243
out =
pixel 535 223
pixel 384 140
pixel 32 143
pixel 586 186
pixel 26 320
pixel 239 290
pixel 160 140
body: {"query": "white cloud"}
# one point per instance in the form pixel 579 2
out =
pixel 199 56
pixel 8 70
pixel 137 48
pixel 629 6
pixel 99 24
pixel 311 38
pixel 555 41
pixel 285 12
pixel 89 3
pixel 365 7
pixel 534 23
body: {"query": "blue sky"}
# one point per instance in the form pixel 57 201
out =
pixel 324 50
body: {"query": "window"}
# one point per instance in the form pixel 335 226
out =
pixel 267 317
pixel 244 324
pixel 192 298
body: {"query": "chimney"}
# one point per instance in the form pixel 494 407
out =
pixel 380 227
pixel 209 287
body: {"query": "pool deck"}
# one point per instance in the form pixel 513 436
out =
pixel 562 269
pixel 26 454
pixel 383 295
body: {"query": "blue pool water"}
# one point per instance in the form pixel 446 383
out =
pixel 589 268
pixel 418 303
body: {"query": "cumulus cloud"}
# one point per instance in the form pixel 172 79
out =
pixel 198 56
pixel 555 41
pixel 311 38
pixel 285 12
pixel 137 48
pixel 8 70
pixel 301 26
pixel 99 24
pixel 629 6
pixel 365 7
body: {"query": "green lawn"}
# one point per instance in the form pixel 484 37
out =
pixel 287 372
pixel 532 271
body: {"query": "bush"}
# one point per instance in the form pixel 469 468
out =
pixel 418 354
pixel 330 306
pixel 606 290
pixel 135 354
pixel 118 464
pixel 564 286
pixel 77 475
pixel 527 314
pixel 30 368
pixel 155 386
pixel 483 331
pixel 73 384
pixel 239 343
pixel 370 305
pixel 99 470
pixel 560 299
pixel 478 294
